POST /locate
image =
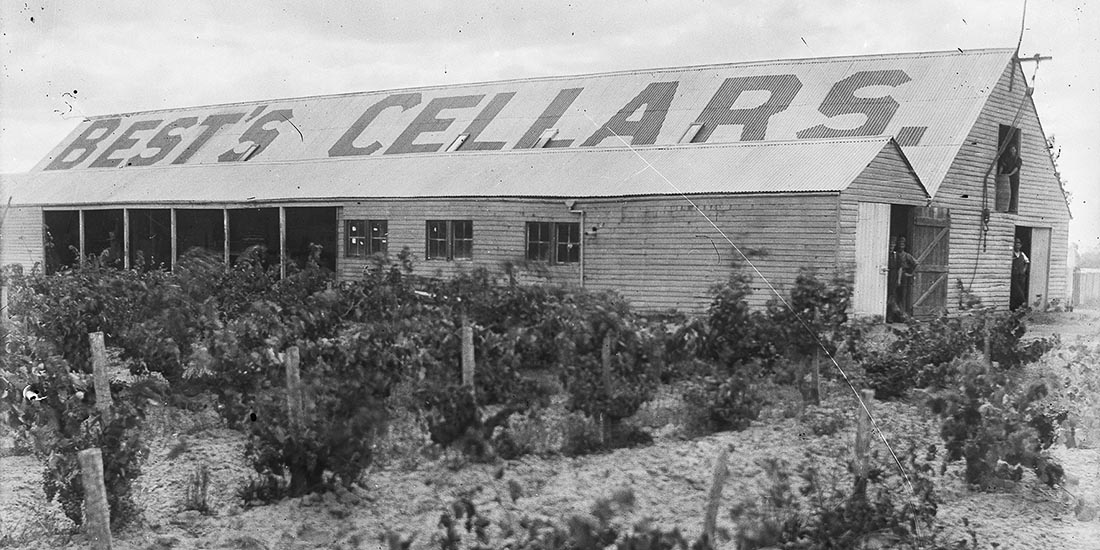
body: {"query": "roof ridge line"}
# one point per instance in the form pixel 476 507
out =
pixel 551 78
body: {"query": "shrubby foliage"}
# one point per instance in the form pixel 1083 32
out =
pixel 922 354
pixel 741 347
pixel 67 421
pixel 228 332
pixel 801 507
pixel 996 425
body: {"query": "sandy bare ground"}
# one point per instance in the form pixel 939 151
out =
pixel 669 479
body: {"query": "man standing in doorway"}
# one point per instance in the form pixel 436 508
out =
pixel 902 268
pixel 1021 267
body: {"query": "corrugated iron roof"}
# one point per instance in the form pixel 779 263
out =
pixel 932 98
pixel 750 167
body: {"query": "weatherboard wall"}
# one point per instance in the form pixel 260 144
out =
pixel 21 242
pixel 887 180
pixel 499 233
pixel 983 266
pixel 662 253
pixel 657 252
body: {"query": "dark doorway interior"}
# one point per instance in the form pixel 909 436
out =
pixel 899 281
pixel 250 227
pixel 1008 143
pixel 61 239
pixel 311 226
pixel 103 236
pixel 1021 269
pixel 151 239
pixel 202 229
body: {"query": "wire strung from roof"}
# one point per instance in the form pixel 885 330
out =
pixel 745 258
pixel 983 222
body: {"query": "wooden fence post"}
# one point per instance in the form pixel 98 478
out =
pixel 101 380
pixel 98 514
pixel 863 440
pixel 4 313
pixel 605 361
pixel 467 352
pixel 605 365
pixel 710 517
pixel 988 338
pixel 815 378
pixel 295 405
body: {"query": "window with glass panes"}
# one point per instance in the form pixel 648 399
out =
pixel 365 237
pixel 568 242
pixel 554 242
pixel 379 236
pixel 539 241
pixel 449 240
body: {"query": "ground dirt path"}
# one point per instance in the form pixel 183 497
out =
pixel 669 479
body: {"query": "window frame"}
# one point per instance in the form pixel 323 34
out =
pixel 369 244
pixel 557 250
pixel 455 244
pixel 543 232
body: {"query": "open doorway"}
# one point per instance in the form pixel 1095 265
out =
pixel 1021 269
pixel 308 228
pixel 1030 274
pixel 250 227
pixel 200 229
pixel 901 266
pixel 889 282
pixel 103 236
pixel 151 239
pixel 61 239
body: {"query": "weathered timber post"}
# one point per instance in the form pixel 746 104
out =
pixel 605 365
pixel 97 513
pixel 988 351
pixel 467 352
pixel 863 440
pixel 101 380
pixel 605 361
pixel 295 405
pixel 657 362
pixel 710 517
pixel 815 377
pixel 4 313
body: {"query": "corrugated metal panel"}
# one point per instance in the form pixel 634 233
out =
pixel 757 167
pixel 942 92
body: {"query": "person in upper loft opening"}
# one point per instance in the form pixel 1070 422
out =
pixel 1008 167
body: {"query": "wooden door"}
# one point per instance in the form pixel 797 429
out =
pixel 872 244
pixel 929 244
pixel 1040 267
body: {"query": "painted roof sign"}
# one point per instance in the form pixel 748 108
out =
pixel 929 101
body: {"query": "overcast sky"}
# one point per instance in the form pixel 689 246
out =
pixel 64 60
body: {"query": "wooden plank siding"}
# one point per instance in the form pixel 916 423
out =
pixel 499 233
pixel 985 267
pixel 658 252
pixel 888 180
pixel 662 253
pixel 21 242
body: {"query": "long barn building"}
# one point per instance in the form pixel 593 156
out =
pixel 652 183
